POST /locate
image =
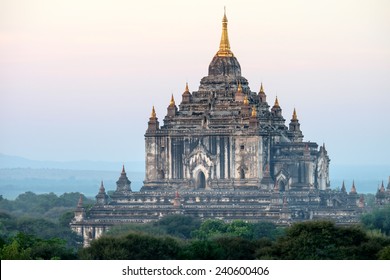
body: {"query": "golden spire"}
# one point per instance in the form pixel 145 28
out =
pixel 254 114
pixel 276 102
pixel 224 45
pixel 294 117
pixel 246 101
pixel 239 88
pixel 261 88
pixel 187 89
pixel 153 115
pixel 172 102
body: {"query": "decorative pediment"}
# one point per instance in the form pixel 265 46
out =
pixel 200 156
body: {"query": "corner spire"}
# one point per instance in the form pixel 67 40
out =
pixel 187 89
pixel 254 113
pixel 239 88
pixel 102 189
pixel 294 117
pixel 153 115
pixel 261 88
pixel 353 188
pixel 224 45
pixel 246 101
pixel 172 102
pixel 276 102
pixel 80 203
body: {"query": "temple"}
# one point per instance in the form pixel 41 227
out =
pixel 224 153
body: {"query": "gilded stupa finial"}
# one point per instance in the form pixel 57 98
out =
pixel 261 88
pixel 254 113
pixel 153 115
pixel 246 101
pixel 239 88
pixel 224 45
pixel 294 117
pixel 276 102
pixel 172 102
pixel 187 89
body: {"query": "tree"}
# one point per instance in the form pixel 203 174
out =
pixel 28 247
pixel 210 228
pixel 178 225
pixel 384 254
pixel 377 219
pixel 267 230
pixel 324 240
pixel 134 246
pixel 240 229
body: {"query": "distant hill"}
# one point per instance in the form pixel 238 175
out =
pixel 18 175
pixel 14 181
pixel 7 161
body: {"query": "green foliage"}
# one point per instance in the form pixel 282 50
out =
pixel 178 225
pixel 42 205
pixel 125 229
pixel 240 229
pixel 134 246
pixel 210 228
pixel 377 219
pixel 384 253
pixel 28 247
pixel 324 240
pixel 201 250
pixel 267 230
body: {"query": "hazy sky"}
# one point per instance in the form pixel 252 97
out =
pixel 78 78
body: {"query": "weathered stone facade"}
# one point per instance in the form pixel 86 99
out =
pixel 225 153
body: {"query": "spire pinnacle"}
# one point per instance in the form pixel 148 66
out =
pixel 153 115
pixel 353 188
pixel 172 102
pixel 276 102
pixel 123 169
pixel 382 189
pixel 343 189
pixel 102 189
pixel 224 46
pixel 261 88
pixel 246 101
pixel 239 88
pixel 254 114
pixel 294 117
pixel 80 203
pixel 186 89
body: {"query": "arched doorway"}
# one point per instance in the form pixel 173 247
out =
pixel 282 186
pixel 242 173
pixel 200 180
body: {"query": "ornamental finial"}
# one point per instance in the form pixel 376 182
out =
pixel 172 102
pixel 224 45
pixel 294 117
pixel 153 115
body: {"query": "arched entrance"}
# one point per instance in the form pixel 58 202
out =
pixel 282 186
pixel 200 180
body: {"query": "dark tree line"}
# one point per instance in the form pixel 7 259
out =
pixel 216 240
pixel 29 231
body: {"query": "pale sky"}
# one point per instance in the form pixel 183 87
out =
pixel 78 78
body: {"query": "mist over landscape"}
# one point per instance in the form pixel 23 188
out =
pixel 19 175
